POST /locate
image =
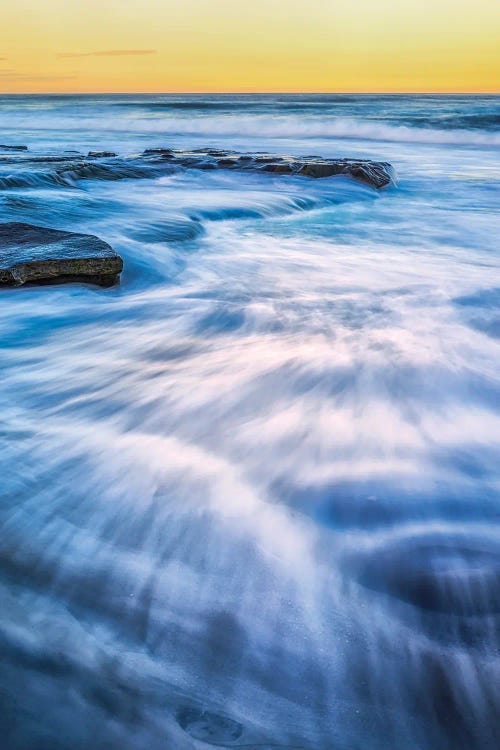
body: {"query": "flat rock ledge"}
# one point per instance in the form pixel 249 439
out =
pixel 376 174
pixel 68 168
pixel 39 255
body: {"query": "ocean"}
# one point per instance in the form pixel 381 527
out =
pixel 249 497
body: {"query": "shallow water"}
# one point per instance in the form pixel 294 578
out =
pixel 250 496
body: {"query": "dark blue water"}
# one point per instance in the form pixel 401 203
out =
pixel 249 498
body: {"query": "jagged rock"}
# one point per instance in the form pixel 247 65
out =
pixel 101 154
pixel 13 148
pixel 31 254
pixel 376 174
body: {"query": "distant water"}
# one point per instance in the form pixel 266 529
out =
pixel 249 498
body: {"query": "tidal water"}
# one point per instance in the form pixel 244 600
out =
pixel 250 496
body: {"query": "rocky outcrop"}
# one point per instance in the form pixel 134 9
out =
pixel 373 173
pixel 31 254
pixel 67 170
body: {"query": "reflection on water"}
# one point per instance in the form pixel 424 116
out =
pixel 249 498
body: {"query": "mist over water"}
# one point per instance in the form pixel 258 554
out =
pixel 250 497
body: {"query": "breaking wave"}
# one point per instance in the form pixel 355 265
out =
pixel 280 126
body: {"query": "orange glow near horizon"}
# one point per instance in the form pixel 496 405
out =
pixel 97 46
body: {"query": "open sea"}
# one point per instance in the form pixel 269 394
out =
pixel 250 496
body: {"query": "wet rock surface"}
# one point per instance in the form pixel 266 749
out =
pixel 101 154
pixel 209 727
pixel 67 169
pixel 373 173
pixel 33 254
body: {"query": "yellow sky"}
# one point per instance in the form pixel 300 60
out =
pixel 249 45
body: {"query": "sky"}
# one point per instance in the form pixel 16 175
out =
pixel 249 45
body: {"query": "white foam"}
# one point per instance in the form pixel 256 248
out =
pixel 278 126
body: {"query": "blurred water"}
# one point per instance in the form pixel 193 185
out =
pixel 249 498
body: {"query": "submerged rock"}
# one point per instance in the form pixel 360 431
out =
pixel 209 727
pixel 101 154
pixel 12 148
pixel 175 229
pixel 447 586
pixel 158 152
pixel 447 576
pixel 31 254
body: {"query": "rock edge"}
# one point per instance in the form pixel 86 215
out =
pixel 34 254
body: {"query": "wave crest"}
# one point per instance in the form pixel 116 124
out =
pixel 277 126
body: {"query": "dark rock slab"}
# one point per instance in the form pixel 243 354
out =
pixel 279 168
pixel 101 154
pixel 31 254
pixel 228 162
pixel 4 147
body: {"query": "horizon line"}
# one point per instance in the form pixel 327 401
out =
pixel 252 93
